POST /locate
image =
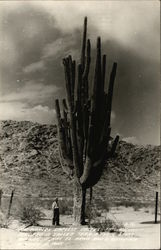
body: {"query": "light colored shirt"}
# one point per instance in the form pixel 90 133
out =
pixel 55 205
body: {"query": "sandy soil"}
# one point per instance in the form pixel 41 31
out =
pixel 140 232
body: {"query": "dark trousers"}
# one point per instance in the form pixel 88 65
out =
pixel 55 220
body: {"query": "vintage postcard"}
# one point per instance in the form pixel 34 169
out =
pixel 80 124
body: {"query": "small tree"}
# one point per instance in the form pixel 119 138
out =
pixel 84 123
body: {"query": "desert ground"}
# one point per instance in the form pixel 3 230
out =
pixel 139 232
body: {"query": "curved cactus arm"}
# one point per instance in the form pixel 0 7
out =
pixel 61 135
pixel 110 92
pixel 86 170
pixel 65 107
pixel 66 166
pixel 67 134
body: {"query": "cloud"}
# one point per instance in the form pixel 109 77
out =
pixel 31 92
pixel 57 47
pixel 36 66
pixel 35 35
pixel 20 111
pixel 131 139
pixel 8 52
pixel 60 48
pixel 41 108
pixel 127 23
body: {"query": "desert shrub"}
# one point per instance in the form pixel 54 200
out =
pixel 3 221
pixel 126 203
pixel 66 207
pixel 29 214
pixel 137 206
pixel 107 225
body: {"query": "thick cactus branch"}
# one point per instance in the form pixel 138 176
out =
pixel 62 137
pixel 103 71
pixel 110 91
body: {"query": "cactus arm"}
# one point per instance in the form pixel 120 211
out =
pixel 61 136
pixel 67 168
pixel 67 137
pixel 86 171
pixel 93 127
pixel 72 117
pixel 88 60
pixel 84 44
pixel 86 96
pixel 65 107
pixel 103 71
pixel 110 92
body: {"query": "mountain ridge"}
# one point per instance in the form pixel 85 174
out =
pixel 29 163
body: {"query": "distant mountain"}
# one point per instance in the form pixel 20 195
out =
pixel 29 163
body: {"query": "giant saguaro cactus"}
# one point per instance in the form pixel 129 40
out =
pixel 84 123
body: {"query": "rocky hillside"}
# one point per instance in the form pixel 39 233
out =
pixel 29 163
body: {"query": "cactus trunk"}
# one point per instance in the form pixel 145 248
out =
pixel 84 123
pixel 79 203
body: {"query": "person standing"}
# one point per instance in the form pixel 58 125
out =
pixel 55 208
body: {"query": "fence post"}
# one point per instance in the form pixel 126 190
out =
pixel 0 197
pixel 10 204
pixel 156 207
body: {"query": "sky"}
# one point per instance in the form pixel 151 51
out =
pixel 36 35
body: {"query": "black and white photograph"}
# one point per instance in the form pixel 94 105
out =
pixel 80 124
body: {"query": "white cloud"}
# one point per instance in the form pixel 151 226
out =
pixel 131 139
pixel 30 92
pixel 135 24
pixel 41 108
pixel 19 111
pixel 36 66
pixel 59 47
pixel 17 105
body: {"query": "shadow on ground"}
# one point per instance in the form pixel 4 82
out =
pixel 150 222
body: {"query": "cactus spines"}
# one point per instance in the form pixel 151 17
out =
pixel 84 128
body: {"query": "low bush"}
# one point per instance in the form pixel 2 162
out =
pixel 125 203
pixel 107 225
pixel 3 221
pixel 136 205
pixel 30 215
